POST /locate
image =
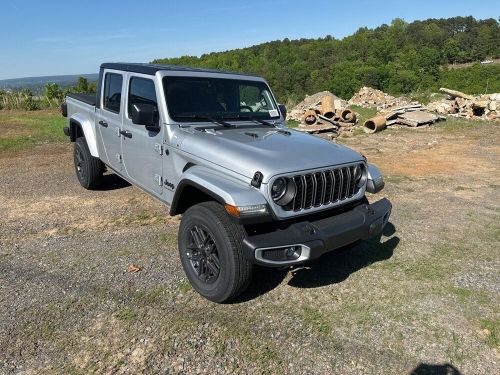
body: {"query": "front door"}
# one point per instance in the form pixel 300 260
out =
pixel 142 148
pixel 109 119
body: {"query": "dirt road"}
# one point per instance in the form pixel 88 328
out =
pixel 422 298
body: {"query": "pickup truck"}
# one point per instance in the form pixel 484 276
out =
pixel 215 147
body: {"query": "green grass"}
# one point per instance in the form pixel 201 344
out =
pixel 127 314
pixel 363 113
pixel 316 320
pixel 493 326
pixel 292 123
pixel 169 239
pixel 35 127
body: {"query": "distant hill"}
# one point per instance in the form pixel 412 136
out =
pixel 36 84
pixel 399 58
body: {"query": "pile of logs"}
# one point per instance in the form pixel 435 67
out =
pixel 459 104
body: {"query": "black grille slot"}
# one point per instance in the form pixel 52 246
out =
pixel 310 187
pixel 323 188
pixel 297 201
pixel 328 186
pixel 320 187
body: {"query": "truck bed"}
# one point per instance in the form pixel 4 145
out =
pixel 86 98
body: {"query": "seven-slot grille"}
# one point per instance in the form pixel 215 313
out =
pixel 323 187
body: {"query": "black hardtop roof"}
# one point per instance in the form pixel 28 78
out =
pixel 153 68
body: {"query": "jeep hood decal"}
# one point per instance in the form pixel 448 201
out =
pixel 270 151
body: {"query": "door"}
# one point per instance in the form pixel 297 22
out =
pixel 109 118
pixel 143 147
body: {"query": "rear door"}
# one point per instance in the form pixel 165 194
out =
pixel 109 119
pixel 142 148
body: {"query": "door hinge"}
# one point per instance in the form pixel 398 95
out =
pixel 159 148
pixel 158 179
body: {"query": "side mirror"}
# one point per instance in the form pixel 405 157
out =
pixel 282 110
pixel 144 114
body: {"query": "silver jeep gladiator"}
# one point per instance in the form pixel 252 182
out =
pixel 214 146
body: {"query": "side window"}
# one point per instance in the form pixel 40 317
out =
pixel 113 92
pixel 141 91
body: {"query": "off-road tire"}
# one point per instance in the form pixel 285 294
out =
pixel 88 169
pixel 235 271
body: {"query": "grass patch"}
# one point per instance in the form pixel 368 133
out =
pixel 150 296
pixel 41 126
pixel 493 327
pixel 315 319
pixel 141 218
pixel 127 314
pixel 363 113
pixel 292 123
pixel 185 286
pixel 169 239
pixel 396 179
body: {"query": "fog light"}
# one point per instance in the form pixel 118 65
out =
pixel 293 252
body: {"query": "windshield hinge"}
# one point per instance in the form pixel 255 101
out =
pixel 159 148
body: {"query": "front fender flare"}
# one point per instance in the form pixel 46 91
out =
pixel 223 188
pixel 88 130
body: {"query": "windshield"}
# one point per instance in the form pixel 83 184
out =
pixel 195 99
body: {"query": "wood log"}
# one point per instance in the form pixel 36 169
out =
pixel 455 94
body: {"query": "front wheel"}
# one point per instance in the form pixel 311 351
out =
pixel 210 248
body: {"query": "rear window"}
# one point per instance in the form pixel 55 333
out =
pixel 113 92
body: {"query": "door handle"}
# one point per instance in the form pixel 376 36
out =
pixel 126 133
pixel 103 123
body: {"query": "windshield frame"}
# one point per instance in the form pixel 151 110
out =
pixel 251 80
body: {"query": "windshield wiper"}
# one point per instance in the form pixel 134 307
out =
pixel 207 117
pixel 251 118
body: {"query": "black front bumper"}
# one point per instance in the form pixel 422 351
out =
pixel 323 235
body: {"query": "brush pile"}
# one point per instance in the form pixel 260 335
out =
pixel 459 104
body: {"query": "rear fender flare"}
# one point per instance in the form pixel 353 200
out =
pixel 88 129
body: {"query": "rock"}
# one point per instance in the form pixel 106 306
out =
pixel 372 98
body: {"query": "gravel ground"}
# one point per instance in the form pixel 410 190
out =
pixel 421 299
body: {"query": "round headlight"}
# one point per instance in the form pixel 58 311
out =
pixel 359 174
pixel 282 191
pixel 278 189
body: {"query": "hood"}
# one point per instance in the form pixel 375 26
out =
pixel 270 151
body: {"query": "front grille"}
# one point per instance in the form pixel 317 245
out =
pixel 323 188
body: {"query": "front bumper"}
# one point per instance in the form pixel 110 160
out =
pixel 315 238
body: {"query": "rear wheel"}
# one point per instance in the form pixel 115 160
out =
pixel 88 169
pixel 210 248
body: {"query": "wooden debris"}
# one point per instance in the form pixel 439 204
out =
pixel 133 268
pixel 455 94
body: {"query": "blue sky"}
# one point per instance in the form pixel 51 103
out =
pixel 72 37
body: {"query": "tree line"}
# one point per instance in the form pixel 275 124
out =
pixel 399 58
pixel 51 98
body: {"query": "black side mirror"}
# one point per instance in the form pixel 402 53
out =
pixel 282 110
pixel 144 114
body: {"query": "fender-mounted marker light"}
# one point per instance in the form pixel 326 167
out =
pixel 232 210
pixel 238 211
